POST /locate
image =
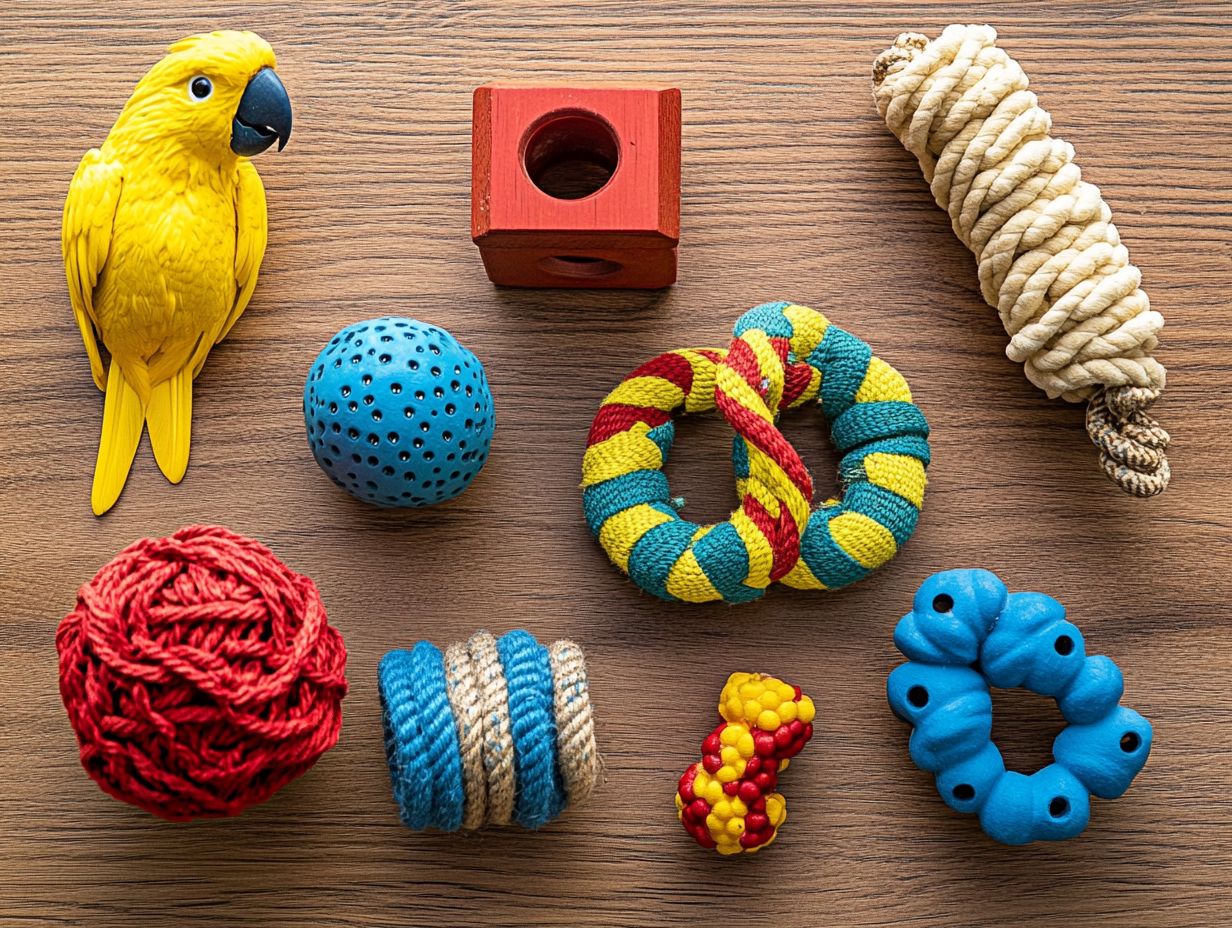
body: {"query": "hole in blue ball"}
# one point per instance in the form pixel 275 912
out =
pixel 1130 742
pixel 1064 645
pixel 1059 807
pixel 943 602
pixel 918 697
pixel 964 792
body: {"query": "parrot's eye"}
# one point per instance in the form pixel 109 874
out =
pixel 200 88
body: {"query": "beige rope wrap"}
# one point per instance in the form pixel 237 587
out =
pixel 475 684
pixel 1050 259
pixel 575 726
pixel 497 736
pixel 462 686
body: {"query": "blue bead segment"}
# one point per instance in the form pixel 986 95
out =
pixel 967 633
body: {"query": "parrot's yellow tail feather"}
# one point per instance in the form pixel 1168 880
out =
pixel 122 421
pixel 169 417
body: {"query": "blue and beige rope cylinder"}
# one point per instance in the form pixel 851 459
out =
pixel 492 731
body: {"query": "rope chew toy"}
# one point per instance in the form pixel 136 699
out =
pixel 727 800
pixel 492 731
pixel 967 633
pixel 1050 259
pixel 782 356
pixel 200 674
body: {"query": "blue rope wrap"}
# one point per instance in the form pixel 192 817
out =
pixel 528 677
pixel 421 742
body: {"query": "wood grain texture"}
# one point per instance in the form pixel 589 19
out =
pixel 791 187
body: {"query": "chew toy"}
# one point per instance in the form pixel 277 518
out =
pixel 163 235
pixel 965 634
pixel 1050 259
pixel 200 674
pixel 782 357
pixel 492 731
pixel 727 800
pixel 576 186
pixel 398 412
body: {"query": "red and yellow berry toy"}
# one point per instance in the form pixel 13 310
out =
pixel 727 800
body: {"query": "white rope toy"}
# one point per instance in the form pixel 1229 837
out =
pixel 1050 259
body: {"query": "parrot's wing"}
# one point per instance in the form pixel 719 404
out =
pixel 85 239
pixel 250 237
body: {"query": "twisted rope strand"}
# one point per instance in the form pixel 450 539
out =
pixel 575 727
pixel 1050 259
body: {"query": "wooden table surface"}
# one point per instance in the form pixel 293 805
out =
pixel 792 188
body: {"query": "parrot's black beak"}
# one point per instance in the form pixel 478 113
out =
pixel 264 114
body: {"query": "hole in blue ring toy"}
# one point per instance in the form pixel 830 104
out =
pixel 1064 645
pixel 964 792
pixel 943 602
pixel 917 696
pixel 1059 807
pixel 1130 742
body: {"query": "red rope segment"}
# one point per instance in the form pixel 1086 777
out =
pixel 200 674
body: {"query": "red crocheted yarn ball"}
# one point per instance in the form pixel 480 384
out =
pixel 200 674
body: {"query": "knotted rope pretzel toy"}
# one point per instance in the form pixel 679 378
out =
pixel 492 731
pixel 1050 259
pixel 966 633
pixel 782 356
pixel 727 800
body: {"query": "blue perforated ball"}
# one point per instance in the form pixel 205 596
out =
pixel 398 412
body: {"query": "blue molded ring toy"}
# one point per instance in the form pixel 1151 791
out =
pixel 968 633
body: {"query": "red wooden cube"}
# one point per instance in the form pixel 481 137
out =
pixel 576 186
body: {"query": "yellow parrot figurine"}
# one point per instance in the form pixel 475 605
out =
pixel 164 231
